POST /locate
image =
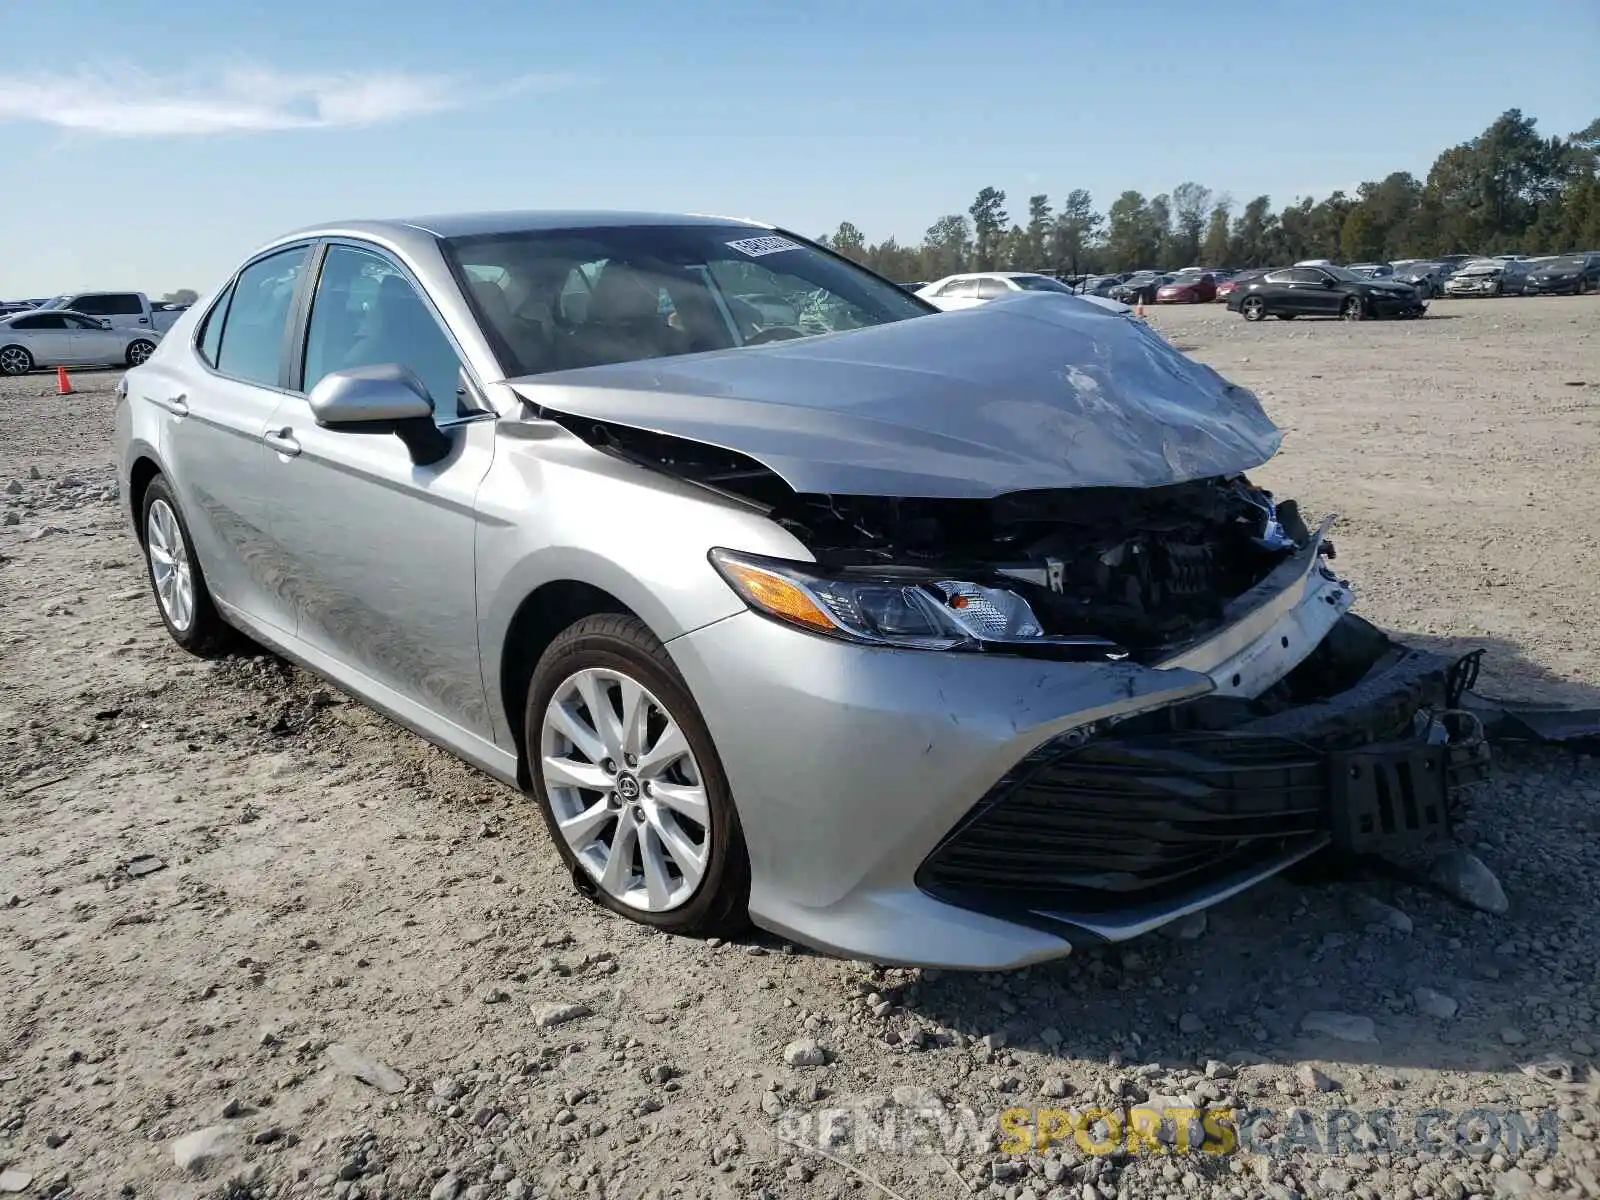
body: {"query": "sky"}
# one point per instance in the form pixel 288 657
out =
pixel 153 144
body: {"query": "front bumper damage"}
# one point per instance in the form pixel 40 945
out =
pixel 989 811
pixel 1107 835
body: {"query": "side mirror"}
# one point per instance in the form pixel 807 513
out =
pixel 385 398
pixel 105 322
pixel 1328 281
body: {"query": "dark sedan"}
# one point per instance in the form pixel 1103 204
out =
pixel 1140 288
pixel 1324 292
pixel 1570 274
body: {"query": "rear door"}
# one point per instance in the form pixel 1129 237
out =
pixel 46 337
pixel 381 549
pixel 217 413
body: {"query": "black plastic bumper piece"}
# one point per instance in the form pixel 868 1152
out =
pixel 1126 819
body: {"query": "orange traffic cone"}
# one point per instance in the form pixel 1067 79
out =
pixel 63 384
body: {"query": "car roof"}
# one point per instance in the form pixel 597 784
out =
pixel 47 312
pixel 471 224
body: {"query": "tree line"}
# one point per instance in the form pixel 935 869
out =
pixel 1510 190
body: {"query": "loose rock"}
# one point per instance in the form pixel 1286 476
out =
pixel 1346 1027
pixel 804 1053
pixel 1463 876
pixel 1434 1004
pixel 201 1149
pixel 368 1070
pixel 560 1014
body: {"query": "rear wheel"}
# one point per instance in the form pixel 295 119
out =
pixel 14 360
pixel 139 351
pixel 625 772
pixel 1254 308
pixel 176 578
pixel 1352 309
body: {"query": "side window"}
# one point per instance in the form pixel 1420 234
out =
pixel 990 288
pixel 252 335
pixel 83 323
pixel 33 323
pixel 122 304
pixel 211 332
pixel 961 287
pixel 94 306
pixel 366 313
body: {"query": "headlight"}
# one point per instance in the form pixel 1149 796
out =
pixel 913 611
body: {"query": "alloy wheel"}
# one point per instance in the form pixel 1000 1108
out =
pixel 15 361
pixel 139 352
pixel 169 565
pixel 1253 309
pixel 625 789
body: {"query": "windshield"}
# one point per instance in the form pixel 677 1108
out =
pixel 1486 266
pixel 563 299
pixel 1571 262
pixel 1039 283
pixel 56 302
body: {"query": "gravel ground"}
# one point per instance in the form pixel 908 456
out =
pixel 356 969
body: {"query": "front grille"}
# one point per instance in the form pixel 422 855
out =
pixel 1132 819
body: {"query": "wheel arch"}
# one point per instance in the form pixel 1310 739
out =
pixel 141 473
pixel 539 618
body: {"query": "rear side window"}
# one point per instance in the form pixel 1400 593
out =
pixel 258 314
pixel 43 321
pixel 121 304
pixel 961 287
pixel 211 332
pixel 990 288
pixel 94 306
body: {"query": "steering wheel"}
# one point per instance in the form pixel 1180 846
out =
pixel 776 333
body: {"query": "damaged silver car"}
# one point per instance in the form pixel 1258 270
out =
pixel 953 639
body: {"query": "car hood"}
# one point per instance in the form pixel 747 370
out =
pixel 1029 391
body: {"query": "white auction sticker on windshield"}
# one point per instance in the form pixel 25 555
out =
pixel 757 246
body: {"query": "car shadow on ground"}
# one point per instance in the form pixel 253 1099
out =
pixel 1238 986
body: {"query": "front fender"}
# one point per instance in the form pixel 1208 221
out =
pixel 554 509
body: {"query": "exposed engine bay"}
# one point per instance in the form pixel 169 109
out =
pixel 1084 573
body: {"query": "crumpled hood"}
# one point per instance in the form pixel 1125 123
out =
pixel 1028 391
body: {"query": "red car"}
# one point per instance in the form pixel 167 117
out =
pixel 1188 289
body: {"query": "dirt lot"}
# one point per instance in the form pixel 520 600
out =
pixel 337 901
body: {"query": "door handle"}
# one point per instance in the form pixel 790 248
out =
pixel 177 405
pixel 282 440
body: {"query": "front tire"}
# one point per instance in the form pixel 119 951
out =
pixel 139 352
pixel 629 781
pixel 14 360
pixel 179 584
pixel 1254 308
pixel 1352 309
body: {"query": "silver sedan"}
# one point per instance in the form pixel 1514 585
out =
pixel 68 339
pixel 954 639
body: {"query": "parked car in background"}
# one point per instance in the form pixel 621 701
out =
pixel 1188 289
pixel 974 288
pixel 1427 277
pixel 1572 274
pixel 125 310
pixel 1487 277
pixel 916 286
pixel 953 640
pixel 1232 284
pixel 1324 292
pixel 1140 288
pixel 1371 270
pixel 14 306
pixel 58 338
pixel 1100 285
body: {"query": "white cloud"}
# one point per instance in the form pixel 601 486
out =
pixel 130 103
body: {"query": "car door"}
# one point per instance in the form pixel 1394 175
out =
pixel 992 287
pixel 216 408
pixel 46 337
pixel 380 548
pixel 95 345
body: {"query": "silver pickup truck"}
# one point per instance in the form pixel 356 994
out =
pixel 124 310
